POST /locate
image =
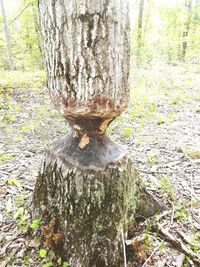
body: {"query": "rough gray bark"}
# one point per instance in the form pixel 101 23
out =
pixel 87 56
pixel 93 202
pixel 87 183
pixel 7 37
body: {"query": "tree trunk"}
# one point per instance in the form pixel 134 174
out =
pixel 88 184
pixel 7 37
pixel 37 29
pixel 139 31
pixel 188 7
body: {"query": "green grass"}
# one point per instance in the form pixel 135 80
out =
pixel 19 79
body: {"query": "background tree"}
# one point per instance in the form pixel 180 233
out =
pixel 188 7
pixel 7 38
pixel 24 36
pixel 139 31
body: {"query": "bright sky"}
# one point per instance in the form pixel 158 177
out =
pixel 12 4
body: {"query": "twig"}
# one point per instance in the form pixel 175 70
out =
pixel 148 259
pixel 18 15
pixel 192 190
pixel 186 239
pixel 172 217
pixel 171 222
pixel 159 172
pixel 124 248
pixel 178 244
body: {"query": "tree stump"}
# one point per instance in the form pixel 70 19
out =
pixel 92 194
pixel 87 183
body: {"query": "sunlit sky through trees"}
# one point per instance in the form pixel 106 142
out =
pixel 12 4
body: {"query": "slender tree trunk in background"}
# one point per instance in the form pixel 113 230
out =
pixel 88 183
pixel 37 29
pixel 188 7
pixel 7 37
pixel 139 31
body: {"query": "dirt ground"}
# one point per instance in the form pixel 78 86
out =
pixel 161 128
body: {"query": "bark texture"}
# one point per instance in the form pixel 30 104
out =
pixel 92 200
pixel 87 56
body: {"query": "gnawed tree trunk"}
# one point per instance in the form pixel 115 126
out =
pixel 88 183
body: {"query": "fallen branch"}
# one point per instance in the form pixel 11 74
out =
pixel 176 243
pixel 186 239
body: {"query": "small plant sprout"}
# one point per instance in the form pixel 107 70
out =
pixel 160 120
pixel 42 252
pixel 59 261
pixel 19 212
pixel 13 182
pixel 65 264
pixel 152 158
pixel 152 107
pixel 127 132
pixel 48 264
pixel 175 100
pixel 166 186
pixel 5 157
pixel 35 224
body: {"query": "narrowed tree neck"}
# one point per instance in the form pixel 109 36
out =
pixel 90 119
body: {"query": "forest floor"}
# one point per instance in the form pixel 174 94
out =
pixel 161 128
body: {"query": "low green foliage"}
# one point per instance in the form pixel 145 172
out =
pixel 152 107
pixel 19 212
pixel 160 119
pixel 35 224
pixel 48 264
pixel 59 261
pixel 152 158
pixel 175 100
pixel 42 252
pixel 165 185
pixel 6 157
pixel 65 264
pixel 127 132
pixel 13 182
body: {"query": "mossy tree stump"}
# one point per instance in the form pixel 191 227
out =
pixel 87 183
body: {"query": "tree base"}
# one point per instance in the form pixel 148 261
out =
pixel 92 194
